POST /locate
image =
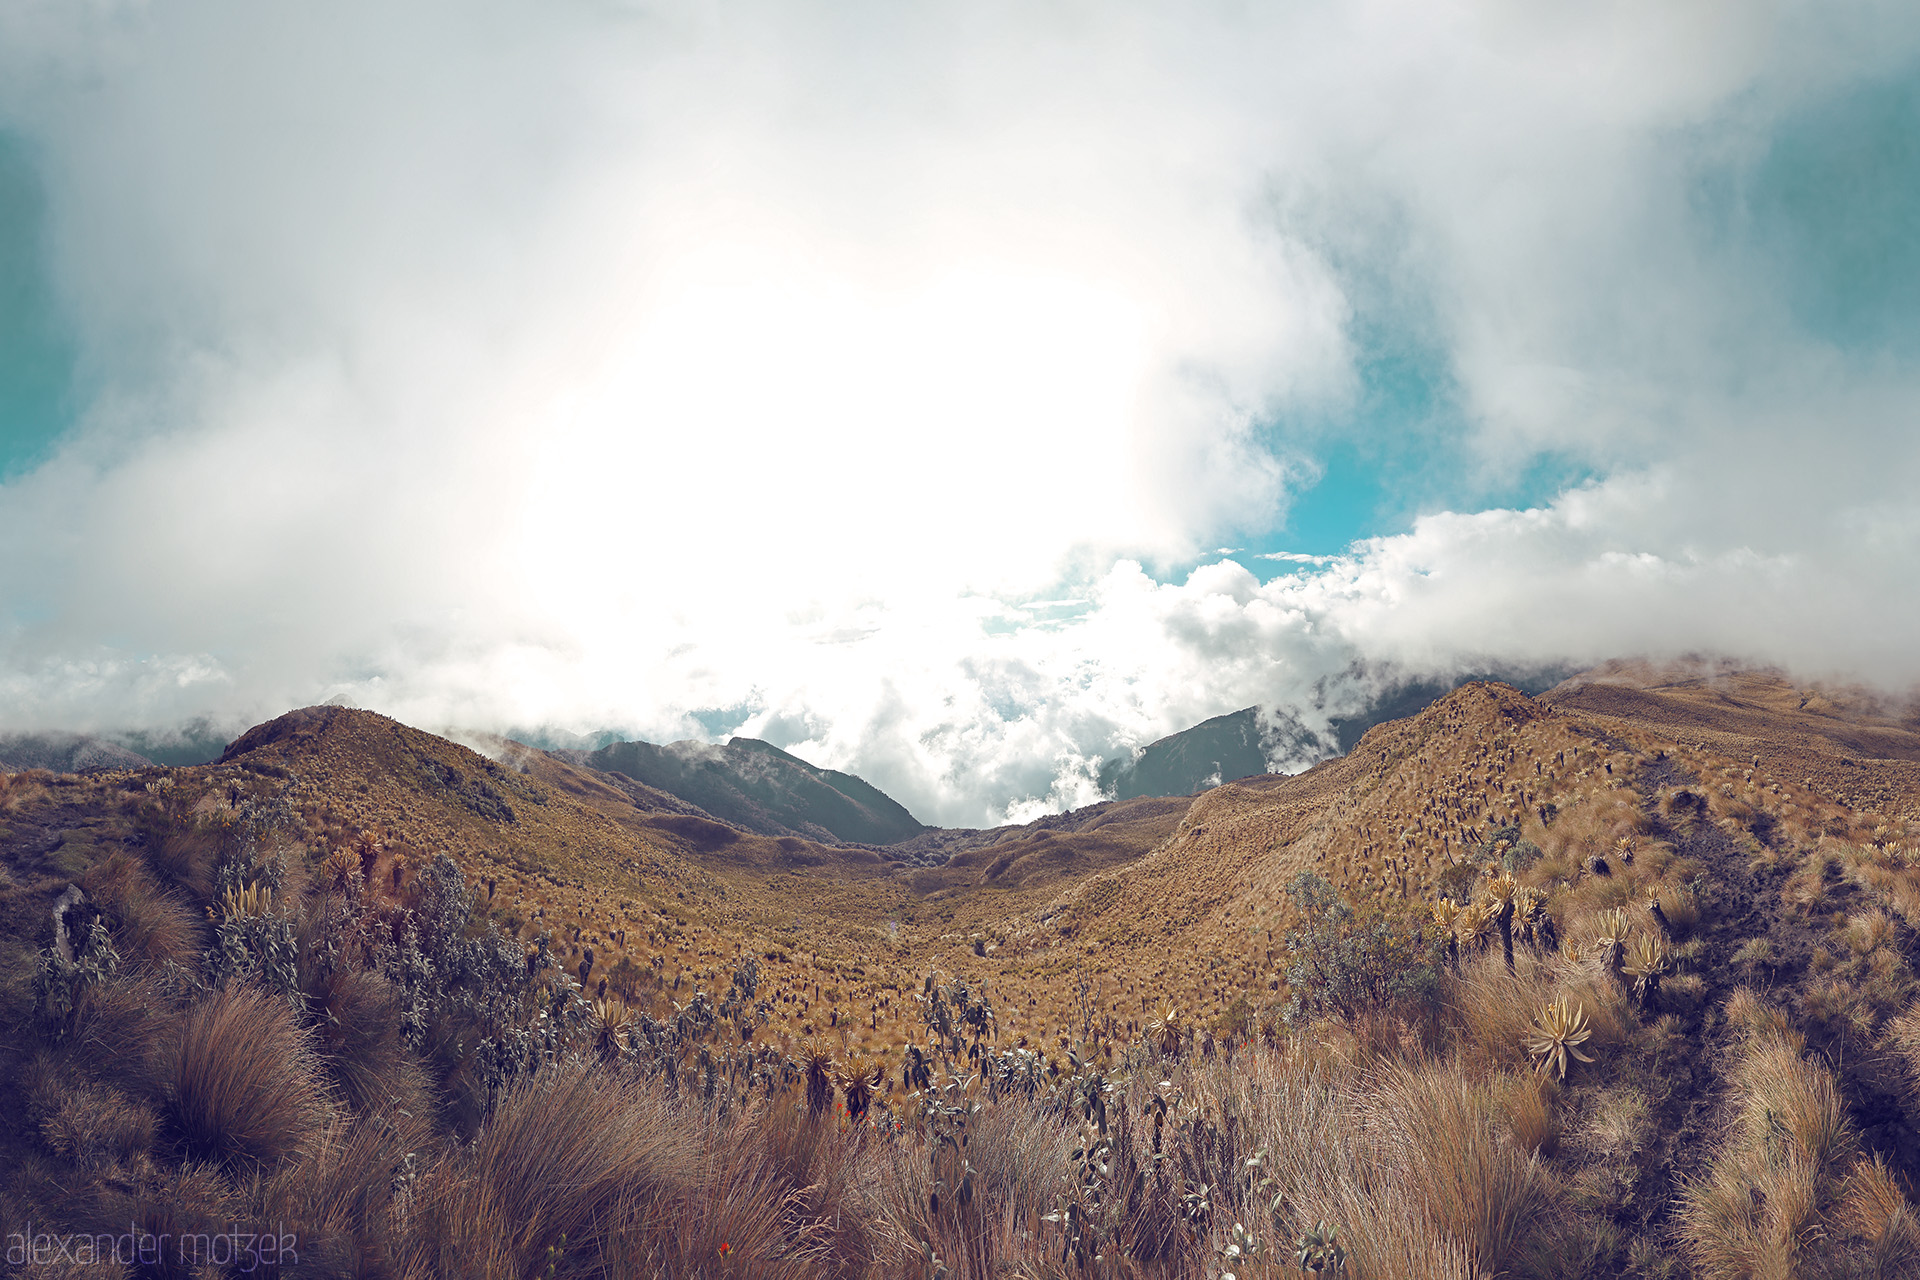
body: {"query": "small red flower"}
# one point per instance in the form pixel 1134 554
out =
pixel 725 1248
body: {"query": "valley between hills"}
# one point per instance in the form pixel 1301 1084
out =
pixel 1706 863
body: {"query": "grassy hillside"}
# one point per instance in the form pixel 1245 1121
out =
pixel 1617 980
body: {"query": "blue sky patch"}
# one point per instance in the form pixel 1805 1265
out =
pixel 36 353
pixel 1403 446
pixel 1834 205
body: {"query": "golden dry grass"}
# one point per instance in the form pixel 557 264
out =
pixel 241 1085
pixel 574 1154
pixel 1474 1187
pixel 1760 1208
pixel 1531 1108
pixel 1877 1213
pixel 1423 1132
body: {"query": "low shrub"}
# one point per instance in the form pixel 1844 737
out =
pixel 1343 962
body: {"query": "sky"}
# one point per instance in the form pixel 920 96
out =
pixel 954 394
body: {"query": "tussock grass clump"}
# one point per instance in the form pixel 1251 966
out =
pixel 356 1018
pixel 1682 908
pixel 1753 953
pixel 1731 1232
pixel 99 1129
pixel 1684 993
pixel 348 1196
pixel 184 857
pixel 1594 894
pixel 742 1221
pixel 1788 1097
pixel 1475 1188
pixel 1763 1021
pixel 23 790
pixel 1017 1155
pixel 1619 1122
pixel 1771 1203
pixel 151 927
pixel 118 1032
pixel 1902 891
pixel 1811 884
pixel 1903 1038
pixel 242 1086
pixel 612 1179
pixel 1878 1214
pixel 561 1154
pixel 1867 931
pixel 825 1161
pixel 168 1200
pixel 1532 1114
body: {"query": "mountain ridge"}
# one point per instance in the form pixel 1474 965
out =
pixel 760 788
pixel 1248 742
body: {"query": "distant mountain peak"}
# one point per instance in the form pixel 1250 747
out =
pixel 762 788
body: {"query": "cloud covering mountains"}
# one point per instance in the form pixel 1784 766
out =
pixel 684 369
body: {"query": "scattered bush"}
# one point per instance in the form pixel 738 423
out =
pixel 1343 963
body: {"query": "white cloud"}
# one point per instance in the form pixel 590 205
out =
pixel 592 365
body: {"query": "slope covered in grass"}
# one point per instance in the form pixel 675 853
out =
pixel 1617 981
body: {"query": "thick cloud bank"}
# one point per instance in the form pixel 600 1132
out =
pixel 876 379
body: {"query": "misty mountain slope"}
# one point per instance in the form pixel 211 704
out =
pixel 65 753
pixel 1222 749
pixel 757 786
pixel 1246 743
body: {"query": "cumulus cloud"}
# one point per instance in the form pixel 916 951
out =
pixel 876 379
